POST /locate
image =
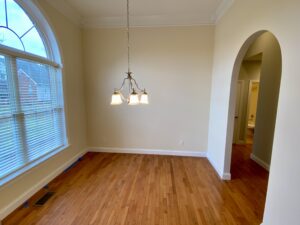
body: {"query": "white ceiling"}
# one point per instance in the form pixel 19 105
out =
pixel 112 13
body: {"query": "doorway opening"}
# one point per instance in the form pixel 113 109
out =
pixel 255 91
pixel 248 85
pixel 253 107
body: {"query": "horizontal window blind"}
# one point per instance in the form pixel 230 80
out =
pixel 32 122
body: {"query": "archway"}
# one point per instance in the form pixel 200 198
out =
pixel 261 139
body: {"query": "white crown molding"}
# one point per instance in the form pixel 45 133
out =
pixel 148 21
pixel 148 151
pixel 140 21
pixel 221 10
pixel 160 20
pixel 67 10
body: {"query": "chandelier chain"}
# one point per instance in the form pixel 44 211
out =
pixel 136 95
pixel 128 36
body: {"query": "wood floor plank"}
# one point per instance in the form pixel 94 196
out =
pixel 123 189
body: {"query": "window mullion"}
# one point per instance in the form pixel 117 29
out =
pixel 18 114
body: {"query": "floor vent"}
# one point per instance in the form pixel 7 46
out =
pixel 44 199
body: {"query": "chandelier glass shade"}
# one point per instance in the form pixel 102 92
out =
pixel 135 95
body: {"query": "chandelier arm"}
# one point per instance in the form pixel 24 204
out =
pixel 123 83
pixel 137 86
pixel 130 86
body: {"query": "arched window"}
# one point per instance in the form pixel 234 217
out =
pixel 32 122
pixel 18 31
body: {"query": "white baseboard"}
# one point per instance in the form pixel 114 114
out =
pixel 222 175
pixel 34 189
pixel 226 176
pixel 260 162
pixel 148 151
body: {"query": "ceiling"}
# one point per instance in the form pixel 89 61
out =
pixel 112 13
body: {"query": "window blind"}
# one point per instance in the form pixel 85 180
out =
pixel 32 122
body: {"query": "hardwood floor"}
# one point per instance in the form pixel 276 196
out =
pixel 150 190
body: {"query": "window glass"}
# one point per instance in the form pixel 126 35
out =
pixel 8 38
pixel 38 100
pixel 10 159
pixel 18 21
pixel 33 43
pixel 4 91
pixel 18 31
pixel 2 13
pixel 36 77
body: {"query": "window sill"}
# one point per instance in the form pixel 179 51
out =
pixel 26 169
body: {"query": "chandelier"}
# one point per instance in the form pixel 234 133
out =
pixel 136 95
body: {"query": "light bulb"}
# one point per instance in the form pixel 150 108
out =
pixel 116 98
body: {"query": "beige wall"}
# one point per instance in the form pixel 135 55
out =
pixel 69 38
pixel 244 19
pixel 173 64
pixel 253 70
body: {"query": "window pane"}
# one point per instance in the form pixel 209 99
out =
pixel 8 38
pixel 44 120
pixel 33 43
pixel 10 156
pixel 2 13
pixel 9 148
pixel 4 90
pixel 19 32
pixel 43 133
pixel 17 18
pixel 34 86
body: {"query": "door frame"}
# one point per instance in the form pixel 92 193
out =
pixel 248 106
pixel 240 104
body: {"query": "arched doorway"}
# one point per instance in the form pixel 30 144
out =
pixel 251 167
pixel 262 46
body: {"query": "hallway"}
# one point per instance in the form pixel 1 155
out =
pixel 249 177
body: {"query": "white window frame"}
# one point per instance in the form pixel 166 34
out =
pixel 54 60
